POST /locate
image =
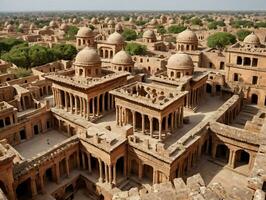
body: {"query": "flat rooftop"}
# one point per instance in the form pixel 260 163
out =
pixel 150 95
pixel 40 143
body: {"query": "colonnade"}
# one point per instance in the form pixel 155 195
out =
pixel 106 172
pixel 147 124
pixel 106 53
pixel 194 97
pixel 85 107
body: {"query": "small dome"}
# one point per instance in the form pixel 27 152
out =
pixel 180 61
pixel 85 32
pixel 252 39
pixel 45 28
pixel 122 58
pixel 171 21
pixel 187 36
pixel 87 56
pixel 115 38
pixel 52 24
pixel 139 18
pixel 94 20
pixel 74 20
pixel 63 26
pixel 149 34
pixel 111 22
pixel 154 22
pixel 32 26
pixel 106 20
pixel 118 27
pixel 21 26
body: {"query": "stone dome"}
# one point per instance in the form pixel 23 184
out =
pixel 52 24
pixel 85 32
pixel 154 22
pixel 9 27
pixel 180 61
pixel 118 27
pixel 122 58
pixel 106 20
pixel 115 38
pixel 149 34
pixel 87 56
pixel 94 20
pixel 64 26
pixel 111 22
pixel 187 36
pixel 252 39
pixel 32 26
pixel 21 26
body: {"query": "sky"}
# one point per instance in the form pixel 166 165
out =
pixel 56 5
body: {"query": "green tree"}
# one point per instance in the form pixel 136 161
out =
pixel 40 55
pixel 64 51
pixel 212 25
pixel 18 56
pixel 136 49
pixel 220 40
pixel 21 72
pixel 71 33
pixel 176 29
pixel 196 21
pixel 242 33
pixel 7 43
pixel 129 34
pixel 161 29
pixel 141 23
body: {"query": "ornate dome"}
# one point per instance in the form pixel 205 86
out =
pixel 122 58
pixel 63 26
pixel 111 22
pixel 85 32
pixel 149 34
pixel 94 20
pixel 180 61
pixel 21 26
pixel 9 27
pixel 252 39
pixel 87 56
pixel 187 36
pixel 52 24
pixel 115 38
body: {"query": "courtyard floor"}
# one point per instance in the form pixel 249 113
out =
pixel 40 143
pixel 212 172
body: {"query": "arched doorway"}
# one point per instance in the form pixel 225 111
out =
pixel 23 190
pixel 222 153
pixel 36 129
pixel 120 168
pixel 242 158
pixel 148 173
pixel 254 99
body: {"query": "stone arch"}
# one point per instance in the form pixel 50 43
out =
pixel 208 88
pixel 148 172
pixel 222 153
pixel 23 190
pixel 120 167
pixel 242 158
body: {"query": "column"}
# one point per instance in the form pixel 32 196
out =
pixel 151 126
pixel 41 182
pixel 100 171
pixel 103 103
pixel 93 107
pixel 134 120
pixel 88 108
pixel 83 160
pixel 65 93
pixel 108 99
pixel 233 157
pixel 76 105
pixel 80 106
pixel 57 172
pixel 117 115
pixel 140 170
pixel 67 165
pixel 143 123
pixel 114 174
pixel 98 105
pixel 89 162
pixel 33 186
pixel 110 173
pixel 172 121
pixel 160 129
pixel 106 173
pixel 71 103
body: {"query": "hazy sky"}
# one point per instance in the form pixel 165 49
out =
pixel 36 5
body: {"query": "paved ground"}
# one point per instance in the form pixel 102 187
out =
pixel 39 143
pixel 212 172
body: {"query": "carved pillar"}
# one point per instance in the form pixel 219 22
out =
pixel 151 126
pixel 166 123
pixel 98 105
pixel 33 186
pixel 143 123
pixel 89 162
pixel 71 103
pixel 65 93
pixel 134 120
pixel 106 173
pixel 114 174
pixel 100 171
pixel 67 166
pixel 160 129
pixel 110 173
pixel 93 106
pixel 76 105
pixel 57 173
pixel 117 115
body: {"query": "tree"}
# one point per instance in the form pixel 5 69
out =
pixel 40 55
pixel 64 51
pixel 220 40
pixel 71 33
pixel 196 21
pixel 7 43
pixel 176 29
pixel 242 33
pixel 212 25
pixel 129 34
pixel 136 49
pixel 17 56
pixel 21 72
pixel 161 29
